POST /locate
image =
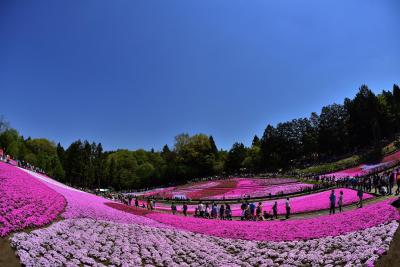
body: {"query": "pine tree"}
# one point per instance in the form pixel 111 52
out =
pixel 214 149
pixel 256 141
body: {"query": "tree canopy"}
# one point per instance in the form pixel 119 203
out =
pixel 366 121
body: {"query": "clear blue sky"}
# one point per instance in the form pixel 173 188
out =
pixel 133 74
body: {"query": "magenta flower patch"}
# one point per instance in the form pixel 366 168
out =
pixel 301 229
pixel 24 201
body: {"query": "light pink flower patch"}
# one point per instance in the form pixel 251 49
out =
pixel 84 205
pixel 85 242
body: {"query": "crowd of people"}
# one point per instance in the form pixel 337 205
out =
pixel 382 183
pixel 20 163
pixel 339 203
pixel 212 211
pixel 252 212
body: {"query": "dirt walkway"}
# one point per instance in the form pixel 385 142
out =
pixel 7 255
pixel 392 258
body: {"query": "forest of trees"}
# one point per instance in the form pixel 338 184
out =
pixel 365 122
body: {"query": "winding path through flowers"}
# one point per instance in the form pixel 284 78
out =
pixel 300 204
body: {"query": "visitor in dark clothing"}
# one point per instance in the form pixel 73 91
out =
pixel 275 210
pixel 332 200
pixel 287 204
pixel 222 212
pixel 184 209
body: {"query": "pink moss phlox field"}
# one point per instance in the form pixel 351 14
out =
pixel 84 205
pixel 196 190
pixel 24 201
pixel 98 232
pixel 232 188
pixel 260 188
pixel 85 242
pixel 300 229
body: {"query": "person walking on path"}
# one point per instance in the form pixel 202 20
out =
pixel 200 207
pixel 173 208
pixel 340 201
pixel 360 198
pixel 387 183
pixel 148 203
pixel 185 207
pixel 222 212
pixel 259 211
pixel 207 211
pixel 243 208
pixel 398 182
pixel 376 183
pixel 275 210
pixel 228 212
pixel 214 211
pixel 287 208
pixel 332 201
pixel 391 182
pixel 252 208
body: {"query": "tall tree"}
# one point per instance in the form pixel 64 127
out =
pixel 214 149
pixel 236 156
pixel 122 165
pixel 256 141
pixel 364 124
pixel 333 130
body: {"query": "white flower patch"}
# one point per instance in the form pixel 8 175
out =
pixel 100 243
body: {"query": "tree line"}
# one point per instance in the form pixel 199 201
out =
pixel 363 123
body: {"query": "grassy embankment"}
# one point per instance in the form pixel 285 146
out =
pixel 346 163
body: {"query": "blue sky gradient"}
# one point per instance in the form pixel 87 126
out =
pixel 133 74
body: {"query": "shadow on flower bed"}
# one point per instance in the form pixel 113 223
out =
pixel 396 204
pixel 129 209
